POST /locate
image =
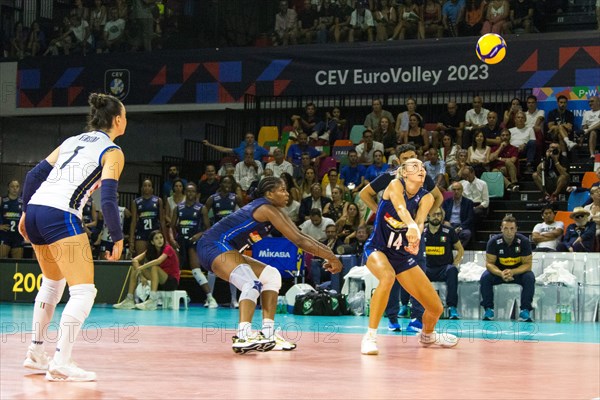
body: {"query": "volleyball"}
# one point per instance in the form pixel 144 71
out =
pixel 491 48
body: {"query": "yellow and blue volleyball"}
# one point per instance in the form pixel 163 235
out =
pixel 491 48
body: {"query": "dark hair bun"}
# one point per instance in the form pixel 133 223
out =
pixel 97 100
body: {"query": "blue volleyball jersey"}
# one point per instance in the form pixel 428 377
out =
pixel 240 228
pixel 389 232
pixel 148 214
pixel 11 213
pixel 189 219
pixel 223 205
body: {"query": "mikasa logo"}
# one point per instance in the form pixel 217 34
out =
pixel 269 253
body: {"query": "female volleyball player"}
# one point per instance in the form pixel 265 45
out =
pixel 54 193
pixel 219 251
pixel 390 251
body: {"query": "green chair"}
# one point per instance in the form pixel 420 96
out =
pixel 495 182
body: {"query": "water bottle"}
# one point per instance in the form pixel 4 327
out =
pixel 409 306
pixel 368 307
pixel 568 314
pixel 563 313
pixel 557 316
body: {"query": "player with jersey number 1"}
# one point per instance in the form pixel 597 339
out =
pixel 54 194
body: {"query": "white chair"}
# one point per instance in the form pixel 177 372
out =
pixel 551 295
pixel 469 298
pixel 171 299
pixel 506 300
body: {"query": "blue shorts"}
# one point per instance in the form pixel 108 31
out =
pixel 46 225
pixel 400 262
pixel 13 240
pixel 208 250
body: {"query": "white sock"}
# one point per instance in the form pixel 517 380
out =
pixel 212 278
pixel 68 331
pixel 153 295
pixel 244 329
pixel 42 315
pixel 268 328
pixel 130 296
pixel 209 296
pixel 372 332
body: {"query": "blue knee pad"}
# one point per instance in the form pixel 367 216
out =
pixel 51 291
pixel 244 279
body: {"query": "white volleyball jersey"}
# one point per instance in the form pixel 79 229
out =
pixel 105 235
pixel 76 173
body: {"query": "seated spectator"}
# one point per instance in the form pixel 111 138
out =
pixel 338 130
pixel 479 154
pixel 475 190
pixel 61 39
pixel 209 183
pixel 385 19
pixel 474 17
pixel 459 213
pixel 503 158
pixel 317 272
pixel 249 141
pixel 315 225
pixel 523 138
pixel 159 265
pixel 594 209
pixel 535 117
pixel 547 234
pixel 36 41
pixel 417 135
pixel 295 151
pixel 299 170
pixel 508 260
pixel 436 168
pixel 308 19
pixel 316 201
pixel 312 125
pixel 305 186
pixel 410 21
pixel 353 174
pixel 492 129
pixel 461 161
pixel 366 149
pixel 579 236
pixel 357 245
pixel 475 119
pixel 292 187
pixel 560 125
pixel 452 16
pixel 432 19
pixel 113 36
pixel 122 9
pixel 377 168
pixel 80 10
pixel 590 124
pixel 361 23
pixel 286 25
pixel 442 265
pixel 386 134
pixel 403 118
pixel 509 120
pixel 247 171
pixel 98 18
pixel 348 223
pixel 497 17
pixel 448 152
pixel 326 21
pixel 555 174
pixel 81 36
pixel 279 165
pixel 330 182
pixel 342 21
pixel 450 122
pixel 338 205
pixel 372 119
pixel 521 17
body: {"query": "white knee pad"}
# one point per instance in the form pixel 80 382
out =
pixel 81 301
pixel 51 291
pixel 244 279
pixel 199 276
pixel 271 279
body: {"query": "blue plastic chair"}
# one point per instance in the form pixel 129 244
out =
pixel 577 199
